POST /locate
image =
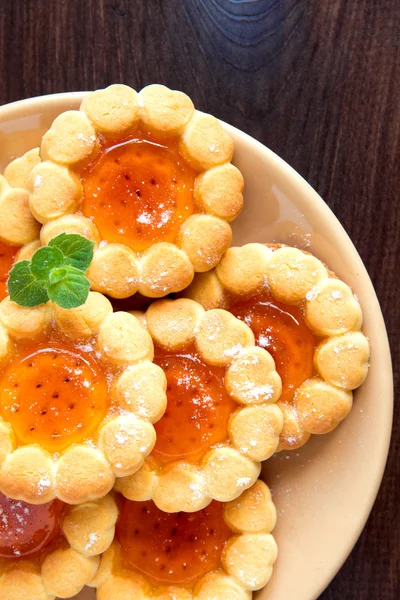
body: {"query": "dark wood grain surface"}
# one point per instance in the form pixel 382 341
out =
pixel 318 81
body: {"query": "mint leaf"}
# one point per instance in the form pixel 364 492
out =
pixel 77 250
pixel 56 272
pixel 68 287
pixel 44 260
pixel 24 288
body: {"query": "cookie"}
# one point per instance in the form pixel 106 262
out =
pixel 221 418
pixel 308 319
pixel 225 550
pixel 144 175
pixel 52 550
pixel 67 428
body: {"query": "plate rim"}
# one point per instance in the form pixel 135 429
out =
pixel 315 201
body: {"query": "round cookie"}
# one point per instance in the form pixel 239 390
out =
pixel 222 551
pixel 221 419
pixel 72 418
pixel 144 175
pixel 52 550
pixel 307 318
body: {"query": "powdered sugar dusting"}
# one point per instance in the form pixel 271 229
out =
pixel 233 351
pixel 86 139
pixel 313 293
pixel 243 481
pixel 43 484
pixel 249 391
pixel 197 489
pixel 15 519
pixel 37 181
pixel 337 295
pixel 93 538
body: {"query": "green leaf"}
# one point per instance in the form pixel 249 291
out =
pixel 44 260
pixel 56 272
pixel 24 288
pixel 68 287
pixel 77 250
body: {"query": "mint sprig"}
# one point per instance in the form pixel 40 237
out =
pixel 68 287
pixel 24 288
pixel 56 272
pixel 77 250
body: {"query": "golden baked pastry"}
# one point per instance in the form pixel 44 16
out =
pixel 147 178
pixel 224 551
pixel 17 224
pixel 8 255
pixel 18 227
pixel 307 318
pixel 52 549
pixel 65 431
pixel 221 419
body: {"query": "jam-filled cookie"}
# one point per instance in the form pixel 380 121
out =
pixel 223 551
pixel 18 227
pixel 52 550
pixel 146 177
pixel 307 318
pixel 65 429
pixel 221 418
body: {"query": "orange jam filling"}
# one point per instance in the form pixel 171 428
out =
pixel 167 548
pixel 54 394
pixel 280 329
pixel 7 255
pixel 198 407
pixel 139 192
pixel 26 529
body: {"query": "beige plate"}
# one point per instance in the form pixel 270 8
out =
pixel 324 492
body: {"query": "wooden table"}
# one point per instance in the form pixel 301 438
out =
pixel 318 81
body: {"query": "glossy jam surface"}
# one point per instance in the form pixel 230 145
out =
pixel 138 192
pixel 7 255
pixel 176 548
pixel 280 329
pixel 53 394
pixel 26 529
pixel 198 408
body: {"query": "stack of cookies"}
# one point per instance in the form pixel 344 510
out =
pixel 131 441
